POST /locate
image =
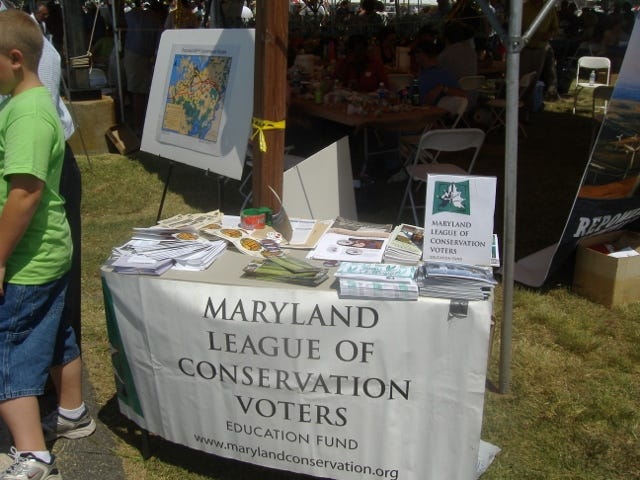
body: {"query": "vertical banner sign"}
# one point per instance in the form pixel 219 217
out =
pixel 458 223
pixel 300 380
pixel 609 195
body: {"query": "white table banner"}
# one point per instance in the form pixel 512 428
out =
pixel 299 380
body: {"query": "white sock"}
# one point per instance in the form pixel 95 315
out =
pixel 73 414
pixel 43 456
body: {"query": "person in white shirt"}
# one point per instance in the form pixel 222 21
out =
pixel 459 56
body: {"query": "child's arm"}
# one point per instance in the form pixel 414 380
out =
pixel 24 195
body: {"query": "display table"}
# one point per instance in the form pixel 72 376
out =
pixel 297 379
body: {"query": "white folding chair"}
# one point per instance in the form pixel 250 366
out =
pixel 454 105
pixel 600 67
pixel 498 106
pixel 431 144
pixel 472 84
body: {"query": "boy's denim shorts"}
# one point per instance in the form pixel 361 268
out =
pixel 33 337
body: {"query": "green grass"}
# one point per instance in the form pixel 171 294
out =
pixel 573 410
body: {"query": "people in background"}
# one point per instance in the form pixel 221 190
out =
pixel 387 43
pixel 361 70
pixel 537 55
pixel 41 14
pixel 140 46
pixel 459 55
pixel 368 22
pixel 435 82
pixel 181 16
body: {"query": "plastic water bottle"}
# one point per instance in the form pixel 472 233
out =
pixel 382 93
pixel 415 92
pixel 592 77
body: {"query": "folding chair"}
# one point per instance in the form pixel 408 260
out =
pixel 431 144
pixel 472 84
pixel 498 106
pixel 600 67
pixel 456 106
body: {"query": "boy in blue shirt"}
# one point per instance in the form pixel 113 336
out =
pixel 35 246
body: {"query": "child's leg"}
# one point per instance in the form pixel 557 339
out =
pixel 29 322
pixel 68 383
pixel 22 416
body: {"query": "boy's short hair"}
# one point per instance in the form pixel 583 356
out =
pixel 18 30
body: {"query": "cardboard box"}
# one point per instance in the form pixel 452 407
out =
pixel 605 279
pixel 123 139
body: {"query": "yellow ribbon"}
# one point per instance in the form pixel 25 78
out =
pixel 259 126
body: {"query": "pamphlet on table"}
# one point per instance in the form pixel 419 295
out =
pixel 349 240
pixel 375 280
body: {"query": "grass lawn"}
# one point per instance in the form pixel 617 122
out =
pixel 573 411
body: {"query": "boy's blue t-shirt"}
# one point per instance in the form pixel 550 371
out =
pixel 32 142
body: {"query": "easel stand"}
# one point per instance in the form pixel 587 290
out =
pixel 220 178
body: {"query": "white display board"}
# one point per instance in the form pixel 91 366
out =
pixel 458 224
pixel 321 186
pixel 201 99
pixel 298 379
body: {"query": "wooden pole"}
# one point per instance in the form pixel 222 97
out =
pixel 270 91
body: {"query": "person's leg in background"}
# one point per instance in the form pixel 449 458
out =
pixel 70 418
pixel 549 75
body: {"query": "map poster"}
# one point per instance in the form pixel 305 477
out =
pixel 201 99
pixel 194 104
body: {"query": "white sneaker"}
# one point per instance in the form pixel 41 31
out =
pixel 55 426
pixel 28 467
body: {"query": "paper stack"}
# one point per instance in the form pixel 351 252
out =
pixel 152 251
pixel 405 245
pixel 374 280
pixel 456 281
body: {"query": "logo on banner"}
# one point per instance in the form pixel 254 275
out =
pixel 452 197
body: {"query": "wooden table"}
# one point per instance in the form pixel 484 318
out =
pixel 410 120
pixel 416 117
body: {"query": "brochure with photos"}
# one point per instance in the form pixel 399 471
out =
pixel 352 241
pixel 405 244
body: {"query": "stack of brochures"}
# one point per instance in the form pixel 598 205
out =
pixel 375 280
pixel 286 269
pixel 405 245
pixel 154 250
pixel 455 281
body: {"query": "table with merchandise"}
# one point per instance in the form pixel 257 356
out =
pixel 309 379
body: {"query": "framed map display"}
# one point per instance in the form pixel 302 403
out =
pixel 201 99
